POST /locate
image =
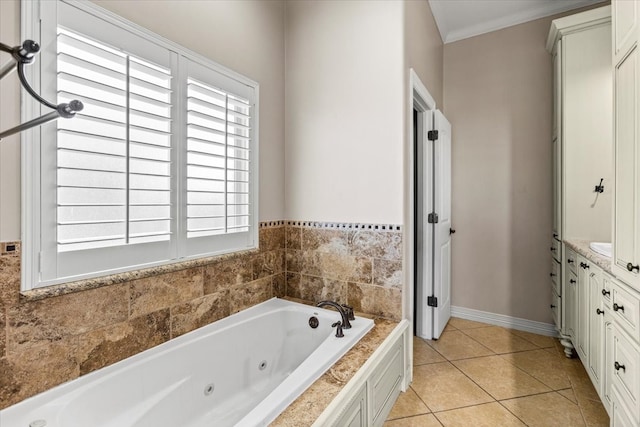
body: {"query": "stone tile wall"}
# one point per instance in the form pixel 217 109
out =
pixel 45 342
pixel 52 340
pixel 360 266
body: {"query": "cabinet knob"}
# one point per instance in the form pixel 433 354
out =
pixel 552 274
pixel 632 267
pixel 553 249
pixel 617 307
pixel 598 311
pixel 569 261
pixel 572 281
pixel 552 306
pixel 555 235
pixel 605 292
pixel 619 366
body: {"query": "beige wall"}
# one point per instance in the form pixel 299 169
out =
pixel 344 111
pixel 423 47
pixel 497 90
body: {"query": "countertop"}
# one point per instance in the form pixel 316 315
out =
pixel 582 248
pixel 308 407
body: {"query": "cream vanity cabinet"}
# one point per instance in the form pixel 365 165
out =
pixel 580 46
pixel 626 79
pixel 624 344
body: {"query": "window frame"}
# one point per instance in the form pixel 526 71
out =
pixel 36 254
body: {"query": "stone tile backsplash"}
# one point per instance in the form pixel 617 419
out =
pixel 46 341
pixel 350 264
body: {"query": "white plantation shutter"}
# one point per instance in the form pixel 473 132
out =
pixel 113 184
pixel 219 160
pixel 159 166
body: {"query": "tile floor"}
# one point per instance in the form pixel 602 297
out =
pixel 478 375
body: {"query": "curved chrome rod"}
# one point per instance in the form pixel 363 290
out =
pixel 22 55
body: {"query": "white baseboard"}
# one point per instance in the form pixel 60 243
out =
pixel 541 328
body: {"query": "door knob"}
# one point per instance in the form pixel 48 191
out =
pixel 598 311
pixel 632 267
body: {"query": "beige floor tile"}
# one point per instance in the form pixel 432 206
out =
pixel 423 353
pixel 449 328
pixel 500 379
pixel 545 410
pixel 544 366
pixel 420 421
pixel 408 405
pixel 539 340
pixel 441 386
pixel 569 394
pixel 581 383
pixel 499 340
pixel 456 345
pixel 458 323
pixel 594 414
pixel 487 415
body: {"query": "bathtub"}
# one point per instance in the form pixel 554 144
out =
pixel 243 370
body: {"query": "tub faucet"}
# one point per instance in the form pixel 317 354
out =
pixel 346 324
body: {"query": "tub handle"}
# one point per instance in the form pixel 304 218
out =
pixel 338 326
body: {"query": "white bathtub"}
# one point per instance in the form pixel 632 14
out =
pixel 243 370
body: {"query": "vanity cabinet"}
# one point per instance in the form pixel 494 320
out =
pixel 580 46
pixel 626 82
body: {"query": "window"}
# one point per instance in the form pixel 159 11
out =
pixel 160 166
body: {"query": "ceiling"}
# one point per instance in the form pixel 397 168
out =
pixel 461 19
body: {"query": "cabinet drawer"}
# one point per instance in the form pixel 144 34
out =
pixel 386 383
pixel 626 371
pixel 626 309
pixel 555 276
pixel 571 259
pixel 555 250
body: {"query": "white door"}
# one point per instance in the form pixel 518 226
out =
pixel 424 230
pixel 442 226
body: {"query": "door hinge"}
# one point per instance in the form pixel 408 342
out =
pixel 432 301
pixel 432 135
pixel 432 218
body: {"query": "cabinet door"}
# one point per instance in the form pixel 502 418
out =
pixel 570 304
pixel 607 362
pixel 627 153
pixel 582 324
pixel 596 327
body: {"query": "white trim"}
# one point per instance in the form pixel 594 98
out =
pixel 540 328
pixel 417 94
pixel 439 11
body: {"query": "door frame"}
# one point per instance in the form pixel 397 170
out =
pixel 419 98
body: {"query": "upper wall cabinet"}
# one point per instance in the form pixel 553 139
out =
pixel 580 45
pixel 626 78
